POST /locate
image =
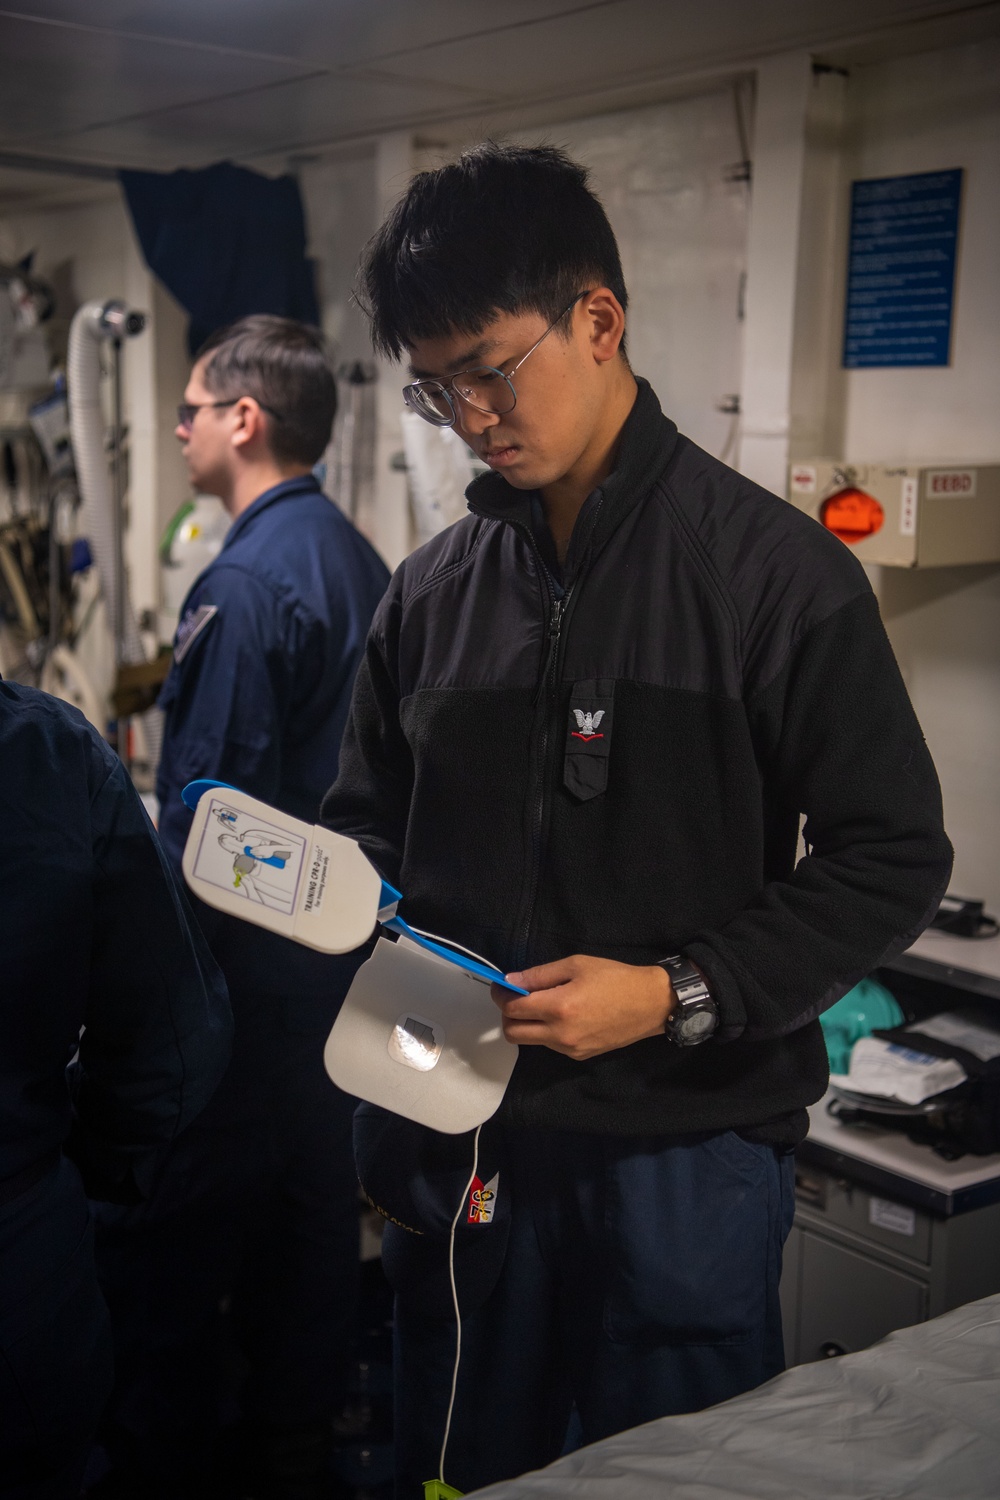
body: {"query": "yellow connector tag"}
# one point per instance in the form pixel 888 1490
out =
pixel 436 1489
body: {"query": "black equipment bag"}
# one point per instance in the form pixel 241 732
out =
pixel 968 1117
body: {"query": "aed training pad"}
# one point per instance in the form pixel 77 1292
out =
pixel 422 1038
pixel 307 883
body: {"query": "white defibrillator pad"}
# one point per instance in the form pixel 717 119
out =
pixel 417 1033
pixel 421 1037
pixel 306 883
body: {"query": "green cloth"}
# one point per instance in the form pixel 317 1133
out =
pixel 868 1007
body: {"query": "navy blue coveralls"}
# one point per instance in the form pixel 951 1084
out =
pixel 95 933
pixel 258 1212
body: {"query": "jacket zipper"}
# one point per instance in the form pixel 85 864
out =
pixel 557 614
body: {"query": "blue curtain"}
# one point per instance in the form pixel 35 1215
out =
pixel 226 242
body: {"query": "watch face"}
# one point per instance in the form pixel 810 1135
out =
pixel 697 1025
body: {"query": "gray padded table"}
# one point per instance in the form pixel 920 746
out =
pixel 916 1417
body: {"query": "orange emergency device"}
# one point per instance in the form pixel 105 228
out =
pixel 852 515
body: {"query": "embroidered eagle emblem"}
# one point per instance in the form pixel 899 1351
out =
pixel 587 724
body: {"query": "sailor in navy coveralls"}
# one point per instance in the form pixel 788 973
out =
pixel 96 935
pixel 258 1215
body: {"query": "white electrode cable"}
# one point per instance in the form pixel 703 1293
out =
pixel 450 943
pixel 454 1299
pixel 454 1227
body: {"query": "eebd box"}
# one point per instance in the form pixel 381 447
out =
pixel 902 515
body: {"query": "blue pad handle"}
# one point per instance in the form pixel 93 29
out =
pixel 388 900
pixel 461 960
pixel 195 790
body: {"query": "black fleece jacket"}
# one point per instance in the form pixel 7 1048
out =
pixel 730 655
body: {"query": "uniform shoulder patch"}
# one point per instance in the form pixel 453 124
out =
pixel 191 627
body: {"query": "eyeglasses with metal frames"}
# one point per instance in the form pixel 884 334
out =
pixel 484 388
pixel 188 410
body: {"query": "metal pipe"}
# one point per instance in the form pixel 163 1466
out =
pixel 118 532
pixel 94 326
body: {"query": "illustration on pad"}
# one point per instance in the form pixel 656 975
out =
pixel 251 850
pixel 259 861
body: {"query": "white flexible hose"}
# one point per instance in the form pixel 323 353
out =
pixel 64 676
pixel 87 427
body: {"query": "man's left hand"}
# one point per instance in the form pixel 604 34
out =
pixel 583 1006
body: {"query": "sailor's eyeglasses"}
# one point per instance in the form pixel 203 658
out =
pixel 188 410
pixel 484 388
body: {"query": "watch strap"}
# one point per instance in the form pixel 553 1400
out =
pixel 694 999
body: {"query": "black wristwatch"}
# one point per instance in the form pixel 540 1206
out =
pixel 695 1016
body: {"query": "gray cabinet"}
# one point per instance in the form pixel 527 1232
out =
pixel 857 1265
pixel 861 1300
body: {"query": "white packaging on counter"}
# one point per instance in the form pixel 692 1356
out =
pixel 962 1028
pixel 886 1070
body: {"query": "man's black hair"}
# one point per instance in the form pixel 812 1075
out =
pixel 505 229
pixel 284 365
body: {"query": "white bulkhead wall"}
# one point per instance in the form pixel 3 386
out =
pixel 921 113
pixel 918 114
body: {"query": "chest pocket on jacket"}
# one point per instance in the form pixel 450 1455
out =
pixel 588 738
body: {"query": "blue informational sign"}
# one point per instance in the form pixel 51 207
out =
pixel 901 270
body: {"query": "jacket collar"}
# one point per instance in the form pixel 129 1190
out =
pixel 647 441
pixel 303 484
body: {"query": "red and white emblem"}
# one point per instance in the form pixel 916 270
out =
pixel 483 1200
pixel 587 725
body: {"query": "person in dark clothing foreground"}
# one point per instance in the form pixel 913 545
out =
pixel 234 1290
pixel 101 959
pixel 589 720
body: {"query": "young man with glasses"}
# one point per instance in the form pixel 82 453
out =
pixel 588 722
pixel 257 1212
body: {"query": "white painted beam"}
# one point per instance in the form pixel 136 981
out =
pixel 391 529
pixel 779 163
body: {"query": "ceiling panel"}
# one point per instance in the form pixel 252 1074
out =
pixel 600 47
pixel 289 117
pixel 55 79
pixel 334 33
pixel 184 82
